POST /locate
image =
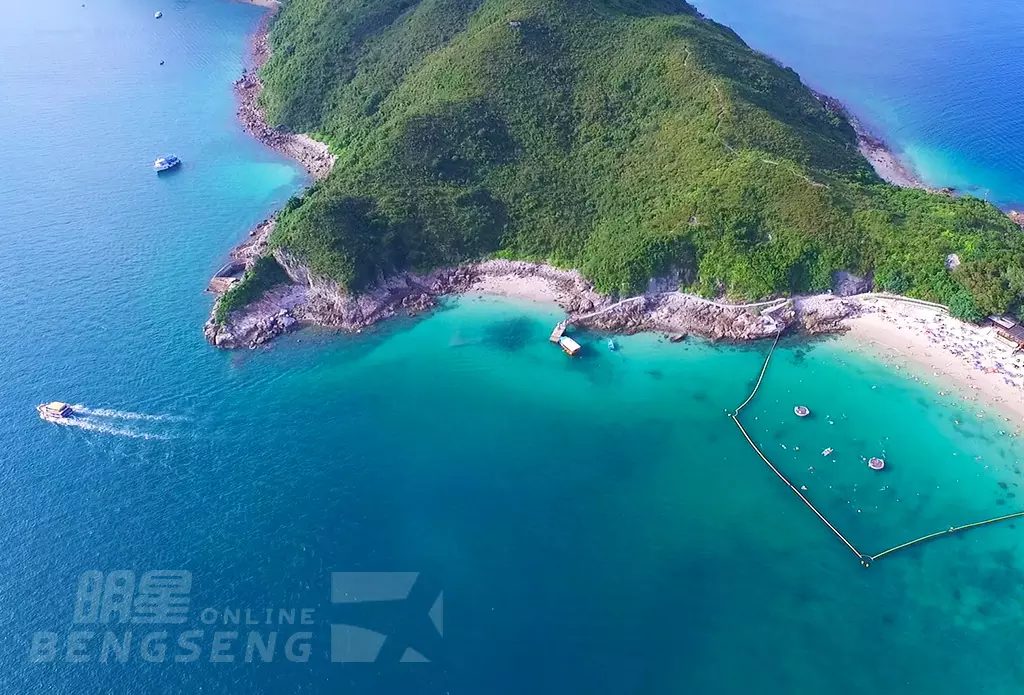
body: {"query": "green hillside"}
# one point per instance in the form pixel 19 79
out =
pixel 626 138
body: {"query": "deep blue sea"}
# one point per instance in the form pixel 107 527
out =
pixel 575 526
pixel 939 80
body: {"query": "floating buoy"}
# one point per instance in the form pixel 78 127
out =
pixel 876 464
pixel 802 411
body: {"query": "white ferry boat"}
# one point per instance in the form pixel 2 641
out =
pixel 165 163
pixel 55 411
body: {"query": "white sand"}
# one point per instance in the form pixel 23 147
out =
pixel 981 370
pixel 534 288
pixel 270 4
pixel 892 170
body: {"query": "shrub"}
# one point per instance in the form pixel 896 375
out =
pixel 264 274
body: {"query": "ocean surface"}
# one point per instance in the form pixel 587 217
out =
pixel 595 525
pixel 939 80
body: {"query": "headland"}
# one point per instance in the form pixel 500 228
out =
pixel 306 299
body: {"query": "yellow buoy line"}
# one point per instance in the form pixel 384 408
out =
pixel 865 560
pixel 951 529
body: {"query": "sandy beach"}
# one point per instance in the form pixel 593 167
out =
pixel 967 361
pixel 534 289
pixel 269 4
pixel 887 165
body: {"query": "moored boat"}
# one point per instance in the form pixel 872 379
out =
pixel 165 163
pixel 802 411
pixel 56 411
pixel 876 464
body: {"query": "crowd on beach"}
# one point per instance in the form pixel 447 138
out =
pixel 932 338
pixel 975 347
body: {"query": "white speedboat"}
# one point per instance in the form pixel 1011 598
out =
pixel 56 411
pixel 165 163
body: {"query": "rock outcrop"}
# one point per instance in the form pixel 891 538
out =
pixel 678 313
pixel 274 314
pixel 824 313
pixel 313 300
pixel 846 284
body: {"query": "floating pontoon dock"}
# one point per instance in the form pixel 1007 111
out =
pixel 570 346
pixel 556 335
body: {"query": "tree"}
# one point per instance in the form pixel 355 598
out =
pixel 962 307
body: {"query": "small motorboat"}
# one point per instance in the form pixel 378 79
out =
pixel 57 411
pixel 611 345
pixel 802 411
pixel 158 15
pixel 165 163
pixel 827 452
pixel 876 464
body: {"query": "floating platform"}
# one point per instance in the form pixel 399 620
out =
pixel 570 346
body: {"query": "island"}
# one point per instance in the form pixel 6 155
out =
pixel 630 159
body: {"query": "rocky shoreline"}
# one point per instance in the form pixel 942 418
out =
pixel 313 301
pixel 882 158
pixel 886 163
pixel 312 154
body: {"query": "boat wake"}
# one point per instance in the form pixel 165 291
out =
pixel 86 423
pixel 119 423
pixel 126 415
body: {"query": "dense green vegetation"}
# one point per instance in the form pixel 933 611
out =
pixel 627 138
pixel 264 274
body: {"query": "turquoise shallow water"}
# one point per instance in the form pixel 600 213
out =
pixel 595 525
pixel 936 79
